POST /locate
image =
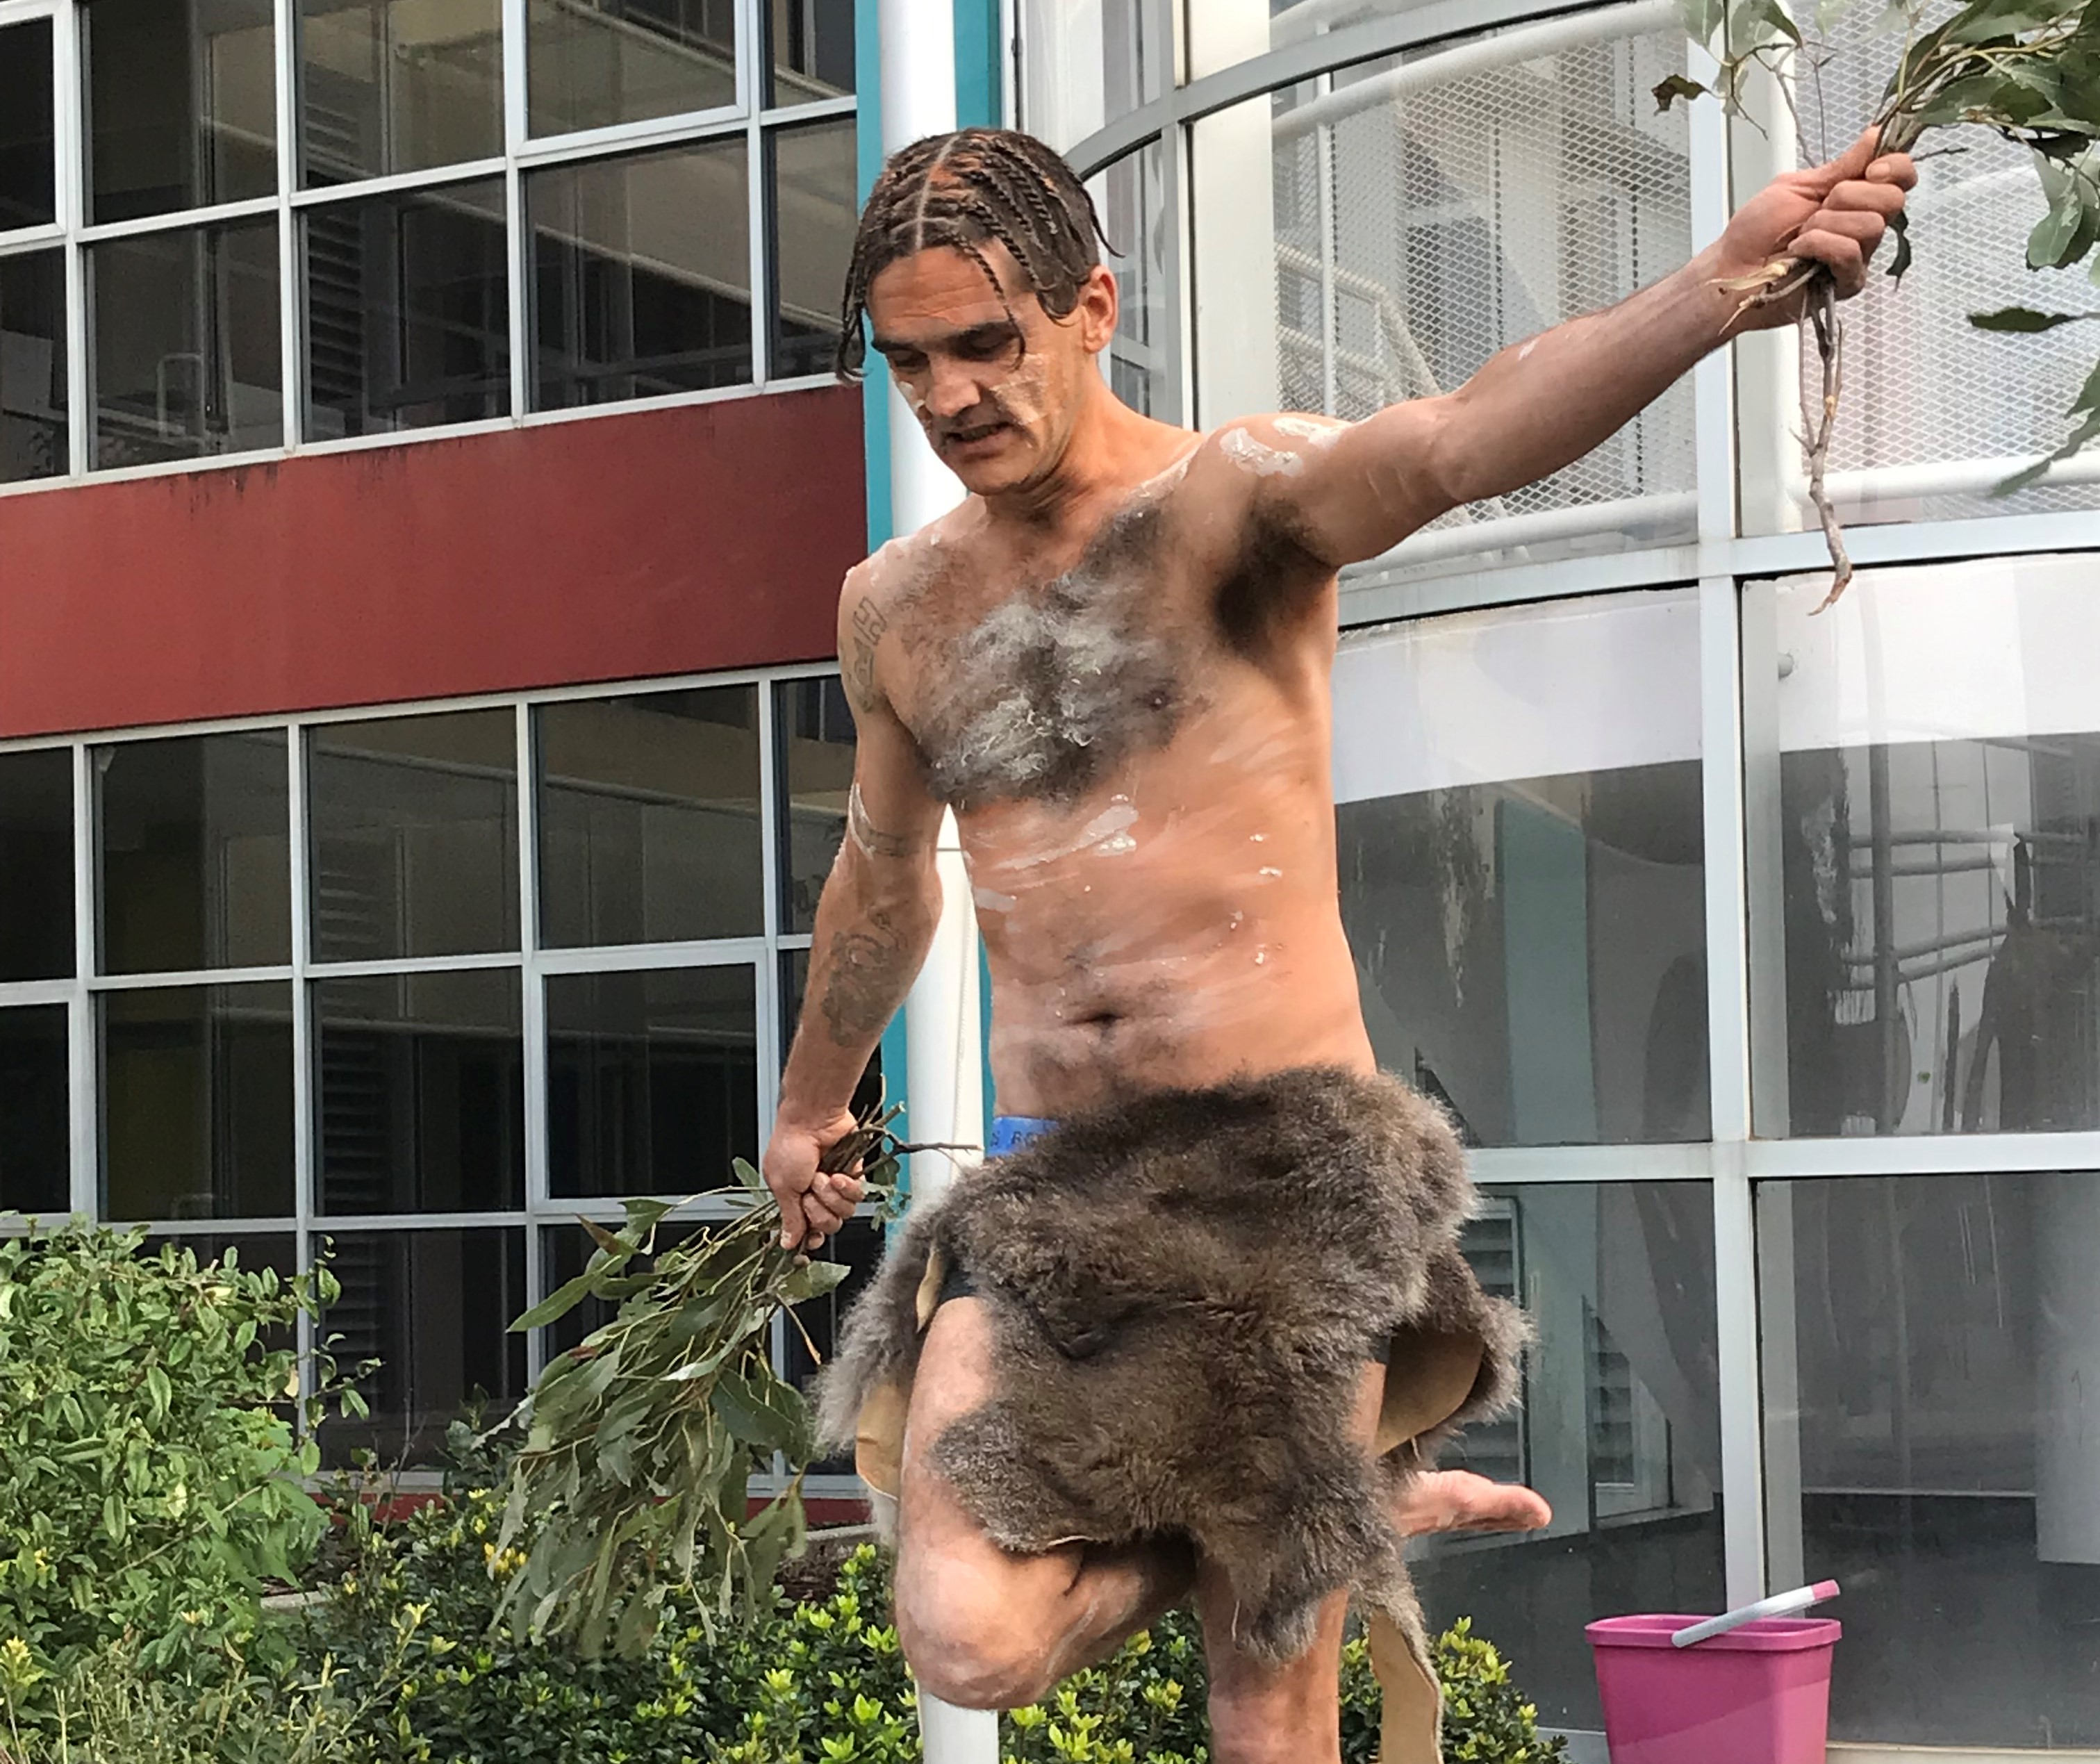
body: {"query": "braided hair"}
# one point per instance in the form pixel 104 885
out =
pixel 962 190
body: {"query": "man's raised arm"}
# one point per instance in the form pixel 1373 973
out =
pixel 1542 405
pixel 874 923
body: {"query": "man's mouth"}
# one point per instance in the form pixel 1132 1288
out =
pixel 977 434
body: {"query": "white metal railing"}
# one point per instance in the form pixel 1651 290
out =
pixel 1523 42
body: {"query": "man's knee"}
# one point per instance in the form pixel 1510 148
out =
pixel 973 1650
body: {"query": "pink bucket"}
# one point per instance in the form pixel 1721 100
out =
pixel 1758 1695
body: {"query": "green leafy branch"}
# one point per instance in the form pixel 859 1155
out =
pixel 634 1479
pixel 2028 70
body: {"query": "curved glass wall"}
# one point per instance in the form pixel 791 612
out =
pixel 1756 948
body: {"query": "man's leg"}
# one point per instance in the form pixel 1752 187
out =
pixel 982 1627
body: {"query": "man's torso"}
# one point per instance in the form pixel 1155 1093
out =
pixel 1131 720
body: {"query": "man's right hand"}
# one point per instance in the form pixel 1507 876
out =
pixel 814 1204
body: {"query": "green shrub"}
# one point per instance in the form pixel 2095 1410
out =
pixel 818 1683
pixel 148 1469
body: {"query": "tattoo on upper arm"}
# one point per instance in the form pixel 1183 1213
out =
pixel 869 622
pixel 871 838
pixel 869 968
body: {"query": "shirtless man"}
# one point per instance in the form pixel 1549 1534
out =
pixel 1112 660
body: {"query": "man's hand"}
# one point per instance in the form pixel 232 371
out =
pixel 1834 214
pixel 1456 1500
pixel 814 1204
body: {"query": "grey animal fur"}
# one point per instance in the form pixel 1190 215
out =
pixel 1184 1287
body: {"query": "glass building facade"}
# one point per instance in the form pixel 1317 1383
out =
pixel 1756 951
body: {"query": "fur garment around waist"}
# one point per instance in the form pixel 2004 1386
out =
pixel 1184 1289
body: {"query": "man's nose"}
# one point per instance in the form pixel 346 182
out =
pixel 952 390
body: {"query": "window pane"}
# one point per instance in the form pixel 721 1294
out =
pixel 1939 849
pixel 398 86
pixel 32 366
pixel 649 818
pixel 1520 841
pixel 1620 1430
pixel 652 1079
pixel 815 207
pixel 1087 63
pixel 813 49
pixel 415 831
pixel 195 853
pixel 1937 1340
pixel 35 864
pixel 434 1308
pixel 35 1129
pixel 187 354
pixel 28 189
pixel 182 104
pixel 816 729
pixel 196 1101
pixel 421 1082
pixel 1131 198
pixel 641 275
pixel 594 63
pixel 1355 249
pixel 408 310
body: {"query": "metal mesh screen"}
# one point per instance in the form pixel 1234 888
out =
pixel 1922 384
pixel 1423 223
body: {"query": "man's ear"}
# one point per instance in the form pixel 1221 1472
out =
pixel 1101 303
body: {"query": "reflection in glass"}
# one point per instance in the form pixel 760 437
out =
pixel 652 1079
pixel 397 85
pixel 1931 1345
pixel 182 104
pixel 1132 203
pixel 1941 886
pixel 35 864
pixel 434 1308
pixel 1087 63
pixel 1520 852
pixel 185 360
pixel 407 310
pixel 32 366
pixel 422 1092
pixel 28 156
pixel 815 201
pixel 816 729
pixel 35 1130
pixel 813 49
pixel 194 852
pixel 649 818
pixel 593 64
pixel 415 836
pixel 196 1101
pixel 1620 1429
pixel 642 271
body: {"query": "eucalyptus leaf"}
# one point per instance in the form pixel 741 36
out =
pixel 2025 319
pixel 557 1303
pixel 1678 86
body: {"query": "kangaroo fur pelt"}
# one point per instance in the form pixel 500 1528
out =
pixel 1184 1288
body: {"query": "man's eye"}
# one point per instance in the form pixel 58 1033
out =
pixel 902 362
pixel 985 348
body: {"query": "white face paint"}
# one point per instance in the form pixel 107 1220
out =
pixel 1320 431
pixel 1259 456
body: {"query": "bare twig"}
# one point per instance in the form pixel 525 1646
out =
pixel 1830 345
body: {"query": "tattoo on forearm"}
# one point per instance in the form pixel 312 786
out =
pixel 871 838
pixel 868 970
pixel 868 625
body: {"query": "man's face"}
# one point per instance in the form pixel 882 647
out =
pixel 996 383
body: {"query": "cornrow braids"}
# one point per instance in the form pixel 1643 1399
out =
pixel 962 191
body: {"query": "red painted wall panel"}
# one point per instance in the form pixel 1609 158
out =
pixel 622 547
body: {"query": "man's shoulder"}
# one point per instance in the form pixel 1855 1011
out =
pixel 1277 444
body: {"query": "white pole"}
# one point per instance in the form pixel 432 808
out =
pixel 944 1081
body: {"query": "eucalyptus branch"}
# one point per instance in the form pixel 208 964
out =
pixel 2028 70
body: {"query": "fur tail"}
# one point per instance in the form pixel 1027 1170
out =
pixel 878 1340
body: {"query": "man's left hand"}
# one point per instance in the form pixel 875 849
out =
pixel 1835 215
